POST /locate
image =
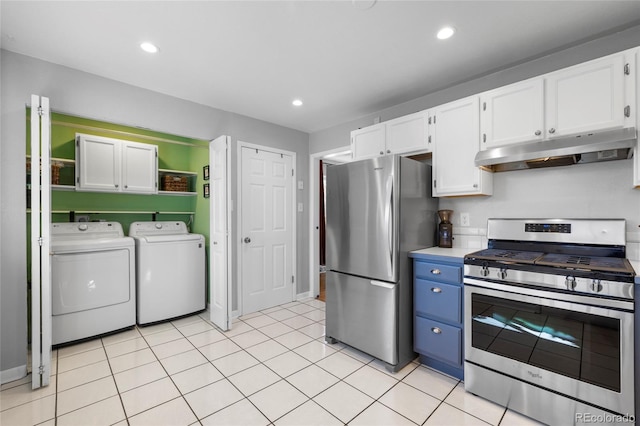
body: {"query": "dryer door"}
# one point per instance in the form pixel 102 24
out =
pixel 89 280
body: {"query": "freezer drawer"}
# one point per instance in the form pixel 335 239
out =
pixel 363 313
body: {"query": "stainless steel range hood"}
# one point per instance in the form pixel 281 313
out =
pixel 580 149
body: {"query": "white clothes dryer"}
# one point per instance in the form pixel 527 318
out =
pixel 170 264
pixel 92 280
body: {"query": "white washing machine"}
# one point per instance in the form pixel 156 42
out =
pixel 170 264
pixel 92 280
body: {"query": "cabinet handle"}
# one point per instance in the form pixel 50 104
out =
pixel 475 185
pixel 126 186
pixel 627 111
pixel 117 185
pixel 436 330
pixel 436 289
pixel 538 133
pixel 381 152
pixel 436 271
pixel 388 151
pixel 484 137
pixel 552 130
pixel 429 139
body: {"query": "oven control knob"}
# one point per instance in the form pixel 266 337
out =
pixel 502 273
pixel 570 282
pixel 596 286
pixel 484 271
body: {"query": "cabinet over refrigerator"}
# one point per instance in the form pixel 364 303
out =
pixel 377 211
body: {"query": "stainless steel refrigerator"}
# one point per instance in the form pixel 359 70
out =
pixel 377 211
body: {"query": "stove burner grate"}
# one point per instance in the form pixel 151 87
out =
pixel 521 256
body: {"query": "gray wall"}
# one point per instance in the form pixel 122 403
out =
pixel 589 190
pixel 86 95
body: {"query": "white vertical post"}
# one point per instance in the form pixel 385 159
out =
pixel 40 230
pixel 45 235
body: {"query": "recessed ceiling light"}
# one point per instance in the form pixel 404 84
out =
pixel 297 102
pixel 149 47
pixel 445 33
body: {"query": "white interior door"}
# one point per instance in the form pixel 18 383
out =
pixel 266 230
pixel 40 242
pixel 219 231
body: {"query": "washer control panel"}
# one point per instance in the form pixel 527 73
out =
pixel 138 229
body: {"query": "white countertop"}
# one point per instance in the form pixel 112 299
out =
pixel 448 252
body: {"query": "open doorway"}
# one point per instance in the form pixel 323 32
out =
pixel 320 162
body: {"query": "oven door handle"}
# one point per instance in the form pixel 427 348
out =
pixel 552 296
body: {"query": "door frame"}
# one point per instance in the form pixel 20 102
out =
pixel 294 236
pixel 314 193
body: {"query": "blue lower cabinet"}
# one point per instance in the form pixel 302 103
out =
pixel 439 340
pixel 438 314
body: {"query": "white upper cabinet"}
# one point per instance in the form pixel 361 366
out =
pixel 404 135
pixel 407 134
pixel 456 140
pixel 593 96
pixel 97 163
pixel 368 142
pixel 139 167
pixel 114 165
pixel 512 114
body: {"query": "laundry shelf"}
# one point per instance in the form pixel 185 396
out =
pixel 113 212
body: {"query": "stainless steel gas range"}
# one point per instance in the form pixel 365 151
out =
pixel 549 320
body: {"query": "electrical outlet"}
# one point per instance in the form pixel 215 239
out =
pixel 464 219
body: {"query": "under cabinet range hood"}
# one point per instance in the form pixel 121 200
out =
pixel 579 149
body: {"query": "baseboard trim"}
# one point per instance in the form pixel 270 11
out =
pixel 12 374
pixel 303 296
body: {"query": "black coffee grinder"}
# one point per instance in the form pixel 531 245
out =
pixel 445 229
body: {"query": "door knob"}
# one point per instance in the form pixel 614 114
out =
pixel 247 240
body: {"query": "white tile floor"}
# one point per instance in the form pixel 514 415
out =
pixel 273 367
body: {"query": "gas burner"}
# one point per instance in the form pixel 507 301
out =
pixel 519 256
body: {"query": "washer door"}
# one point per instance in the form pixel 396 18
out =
pixel 90 280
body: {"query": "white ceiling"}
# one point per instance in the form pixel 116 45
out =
pixel 344 59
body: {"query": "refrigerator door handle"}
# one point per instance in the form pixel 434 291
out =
pixel 389 217
pixel 382 284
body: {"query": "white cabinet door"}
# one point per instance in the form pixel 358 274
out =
pixel 456 142
pixel 512 114
pixel 368 142
pixel 139 167
pixel 407 134
pixel 97 163
pixel 586 97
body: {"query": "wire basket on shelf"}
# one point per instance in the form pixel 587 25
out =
pixel 175 183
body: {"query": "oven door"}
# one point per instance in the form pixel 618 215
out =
pixel 556 341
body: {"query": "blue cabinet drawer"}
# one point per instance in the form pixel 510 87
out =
pixel 438 340
pixel 438 272
pixel 438 300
